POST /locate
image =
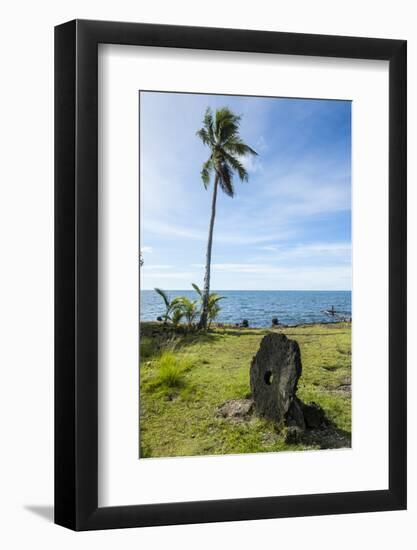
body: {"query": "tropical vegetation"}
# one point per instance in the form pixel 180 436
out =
pixel 220 133
pixel 182 308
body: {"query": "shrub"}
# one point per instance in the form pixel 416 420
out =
pixel 189 309
pixel 181 307
pixel 170 371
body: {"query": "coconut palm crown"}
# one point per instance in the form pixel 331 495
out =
pixel 220 133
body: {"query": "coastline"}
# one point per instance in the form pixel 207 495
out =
pixel 260 307
pixel 237 326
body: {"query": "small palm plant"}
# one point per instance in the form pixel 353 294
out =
pixel 181 307
pixel 213 309
pixel 177 315
pixel 170 305
pixel 189 309
pixel 220 133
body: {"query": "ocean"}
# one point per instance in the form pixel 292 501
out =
pixel 259 307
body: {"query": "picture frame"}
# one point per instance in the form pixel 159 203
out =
pixel 76 274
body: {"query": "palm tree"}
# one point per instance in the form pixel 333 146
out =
pixel 213 308
pixel 221 135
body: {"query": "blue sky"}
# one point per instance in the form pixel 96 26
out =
pixel 287 228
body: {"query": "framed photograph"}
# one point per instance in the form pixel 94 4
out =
pixel 230 252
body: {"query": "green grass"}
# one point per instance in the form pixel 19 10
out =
pixel 168 373
pixel 147 348
pixel 185 377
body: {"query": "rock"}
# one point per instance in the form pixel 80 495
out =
pixel 293 435
pixel 313 415
pixel 236 409
pixel 274 375
pixel 295 415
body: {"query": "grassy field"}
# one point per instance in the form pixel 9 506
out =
pixel 185 378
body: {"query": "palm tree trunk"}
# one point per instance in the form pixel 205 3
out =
pixel 206 289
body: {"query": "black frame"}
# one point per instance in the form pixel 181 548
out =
pixel 76 270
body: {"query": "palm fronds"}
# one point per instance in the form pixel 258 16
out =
pixel 189 309
pixel 221 134
pixel 213 308
pixel 163 295
pixel 236 146
pixel 226 179
pixel 169 305
pixel 237 166
pixel 176 316
pixel 206 171
pixel 182 307
pixel 197 289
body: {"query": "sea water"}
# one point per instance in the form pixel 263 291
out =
pixel 259 307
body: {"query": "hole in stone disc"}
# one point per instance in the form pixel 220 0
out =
pixel 268 377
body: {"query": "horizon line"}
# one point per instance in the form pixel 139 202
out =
pixel 257 290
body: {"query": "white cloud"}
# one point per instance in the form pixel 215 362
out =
pixel 157 266
pixel 246 268
pixel 311 250
pixel 339 249
pixel 296 195
pixel 170 275
pixel 270 277
pixel 261 146
pixel 252 164
pixel 160 227
pixel 270 248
